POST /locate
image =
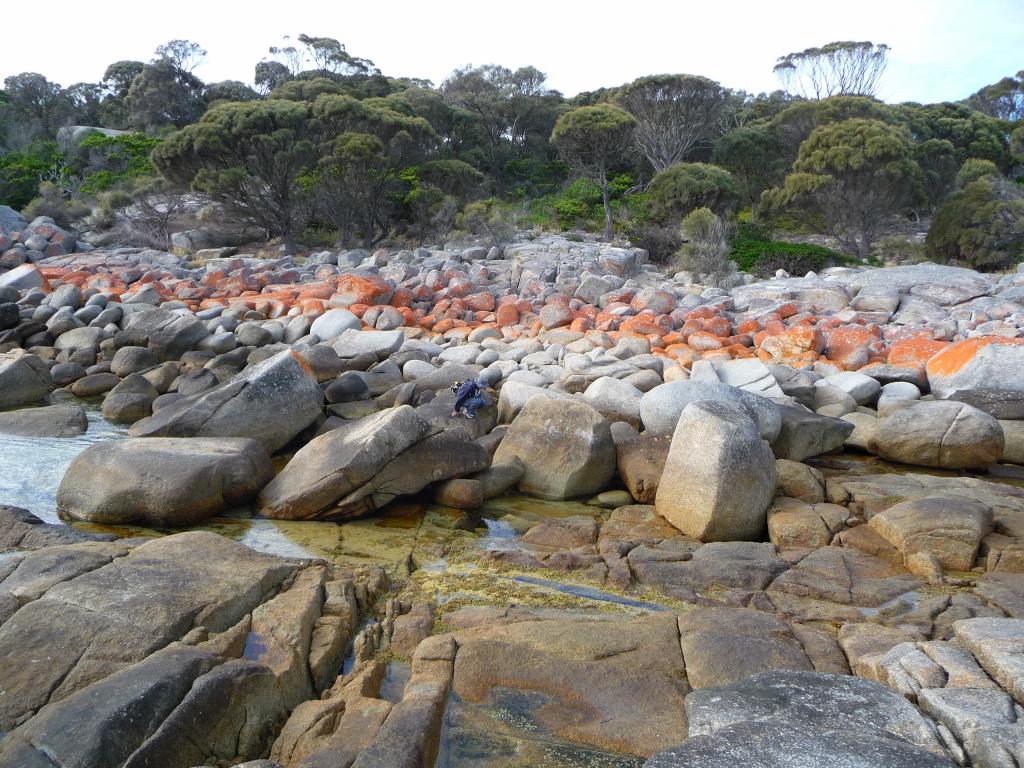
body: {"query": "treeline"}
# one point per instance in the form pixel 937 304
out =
pixel 327 148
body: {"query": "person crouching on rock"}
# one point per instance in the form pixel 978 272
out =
pixel 470 396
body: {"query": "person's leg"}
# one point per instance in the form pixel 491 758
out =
pixel 471 406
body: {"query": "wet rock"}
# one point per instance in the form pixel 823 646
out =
pixel 48 421
pixel 719 476
pixel 613 685
pixel 563 532
pixel 500 478
pixel 460 493
pixel 412 628
pixel 949 435
pixel 162 481
pixel 20 529
pixel 410 735
pixel 283 627
pixel 270 402
pixel 565 447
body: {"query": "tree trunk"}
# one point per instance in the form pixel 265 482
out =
pixel 607 209
pixel 864 245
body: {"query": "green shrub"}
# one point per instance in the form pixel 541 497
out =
pixel 579 206
pixel 116 159
pixel 705 247
pixel 981 226
pixel 684 187
pixel 895 248
pixel 973 169
pixel 490 219
pixel 51 202
pixel 755 252
pixel 21 172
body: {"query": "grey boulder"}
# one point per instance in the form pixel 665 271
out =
pixel 939 433
pixel 162 481
pixel 24 379
pixel 804 434
pixel 169 334
pixel 983 372
pixel 719 476
pixel 565 446
pixel 270 402
pixel 338 462
pixel 661 408
pixel 770 745
pixel 802 701
pixel 48 421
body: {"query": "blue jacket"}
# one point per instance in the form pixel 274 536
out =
pixel 466 390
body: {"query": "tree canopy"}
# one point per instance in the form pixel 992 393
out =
pixel 674 115
pixel 843 68
pixel 591 139
pixel 853 175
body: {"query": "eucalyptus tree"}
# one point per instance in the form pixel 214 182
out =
pixel 842 68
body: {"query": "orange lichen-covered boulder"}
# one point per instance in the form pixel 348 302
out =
pixel 849 345
pixel 361 289
pixel 986 372
pixel 799 346
pixel 914 351
pixel 506 315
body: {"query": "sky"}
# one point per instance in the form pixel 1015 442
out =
pixel 942 50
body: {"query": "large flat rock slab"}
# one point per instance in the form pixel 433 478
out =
pixel 768 745
pixel 811 700
pixel 97 623
pixel 611 685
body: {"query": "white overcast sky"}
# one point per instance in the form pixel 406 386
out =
pixel 941 50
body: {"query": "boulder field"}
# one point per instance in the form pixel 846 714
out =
pixel 779 523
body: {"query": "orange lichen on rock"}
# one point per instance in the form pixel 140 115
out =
pixel 914 351
pixel 955 356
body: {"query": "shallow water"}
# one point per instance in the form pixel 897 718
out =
pixel 31 467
